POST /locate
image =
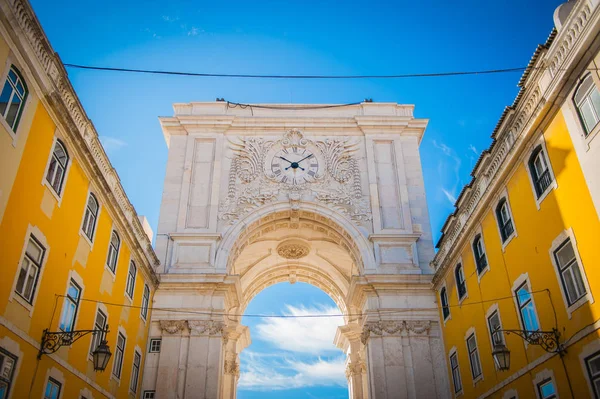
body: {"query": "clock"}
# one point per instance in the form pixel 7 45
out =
pixel 294 165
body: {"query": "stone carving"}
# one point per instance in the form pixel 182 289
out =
pixel 250 185
pixel 172 326
pixel 293 249
pixel 381 328
pixel 232 367
pixel 205 327
pixel 418 326
pixel 355 368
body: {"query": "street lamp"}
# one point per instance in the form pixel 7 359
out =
pixel 548 340
pixel 54 340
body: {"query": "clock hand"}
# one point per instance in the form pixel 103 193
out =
pixel 294 168
pixel 285 159
pixel 304 158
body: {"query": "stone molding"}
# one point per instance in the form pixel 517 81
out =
pixel 232 367
pixel 172 326
pixel 58 92
pixel 206 327
pixel 394 327
pixel 512 130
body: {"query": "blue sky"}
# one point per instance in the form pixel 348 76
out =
pixel 303 37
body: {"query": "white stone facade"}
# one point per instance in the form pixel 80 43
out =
pixel 332 196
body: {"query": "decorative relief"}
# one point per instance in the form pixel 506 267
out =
pixel 172 326
pixel 323 170
pixel 381 328
pixel 293 249
pixel 206 327
pixel 232 367
pixel 418 326
pixel 355 368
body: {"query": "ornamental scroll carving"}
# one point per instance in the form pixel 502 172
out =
pixel 172 326
pixel 394 327
pixel 355 368
pixel 337 182
pixel 232 367
pixel 206 327
pixel 292 249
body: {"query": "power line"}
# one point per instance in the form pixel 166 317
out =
pixel 259 76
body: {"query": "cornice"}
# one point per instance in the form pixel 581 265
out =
pixel 518 123
pixel 58 93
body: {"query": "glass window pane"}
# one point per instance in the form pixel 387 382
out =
pixel 5 97
pixel 565 254
pixel 595 98
pixel 594 365
pixel 12 75
pixel 13 111
pixel 523 294
pixel 530 318
pixel 547 389
pixel 589 119
pixel 583 90
pixel 34 251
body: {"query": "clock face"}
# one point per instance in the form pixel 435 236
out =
pixel 294 165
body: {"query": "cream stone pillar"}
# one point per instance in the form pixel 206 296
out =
pixel 235 339
pixel 348 339
pixel 167 386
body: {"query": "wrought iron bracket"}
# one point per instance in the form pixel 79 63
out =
pixel 548 340
pixel 54 340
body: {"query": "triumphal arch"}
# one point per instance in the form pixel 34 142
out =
pixel 328 195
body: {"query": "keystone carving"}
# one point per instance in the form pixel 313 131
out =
pixel 206 327
pixel 172 326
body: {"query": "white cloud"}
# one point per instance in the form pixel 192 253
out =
pixel 443 147
pixel 450 196
pixel 111 144
pixel 259 374
pixel 312 335
pixel 472 148
pixel 169 18
pixel 195 31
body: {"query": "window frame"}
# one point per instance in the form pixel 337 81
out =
pixel 468 336
pixel 519 283
pixel 152 348
pixel 444 294
pixel 480 270
pixel 540 385
pixel 459 271
pixel 39 264
pixel 56 383
pixel 589 377
pixel 557 243
pixel 84 222
pixel 13 130
pixel 131 277
pixel 146 394
pixel 135 371
pixel 494 310
pixel 15 361
pixel 66 299
pixel 66 167
pixel 505 240
pixel 454 353
pixel 587 132
pixel 145 302
pixel 95 339
pixel 118 366
pixel 117 251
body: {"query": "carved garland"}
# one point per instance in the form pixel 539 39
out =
pixel 394 327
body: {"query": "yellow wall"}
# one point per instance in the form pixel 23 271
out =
pixel 31 203
pixel 569 205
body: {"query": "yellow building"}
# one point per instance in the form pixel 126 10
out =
pixel 521 250
pixel 73 253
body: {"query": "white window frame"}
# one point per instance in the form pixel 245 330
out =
pixel 151 348
pixel 504 195
pixel 57 196
pixel 145 306
pixel 524 278
pixel 11 382
pixel 82 233
pixel 454 352
pixel 462 266
pixel 76 278
pixel 588 297
pixel 491 310
pixel 471 333
pixel 445 319
pixel 106 266
pixel 540 141
pixel 14 134
pixel 100 307
pixel 588 351
pixel 479 233
pixel 146 394
pixel 121 331
pixel 582 79
pixel 511 394
pixel 59 377
pixel 41 238
pixel 540 378
pixel 137 351
pixel 130 297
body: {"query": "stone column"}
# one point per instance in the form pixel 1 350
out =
pixel 235 339
pixel 169 361
pixel 204 359
pixel 348 339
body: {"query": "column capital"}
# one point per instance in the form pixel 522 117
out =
pixel 205 327
pixel 231 367
pixel 172 326
pixel 354 368
pixel 381 328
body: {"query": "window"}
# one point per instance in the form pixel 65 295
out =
pixel 494 325
pixel 474 356
pixel 155 345
pixel 52 389
pixel 119 352
pixel 461 285
pixel 57 167
pixel 135 371
pixel 592 364
pixel 546 389
pixel 99 324
pixel 504 221
pixel 479 251
pixel 444 299
pixel 527 308
pixel 145 301
pixel 30 269
pixel 113 251
pixel 131 279
pixel 587 102
pixel 149 394
pixel 540 172
pixel 455 373
pixel 89 219
pixel 70 305
pixel 7 370
pixel 13 96
pixel 570 274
